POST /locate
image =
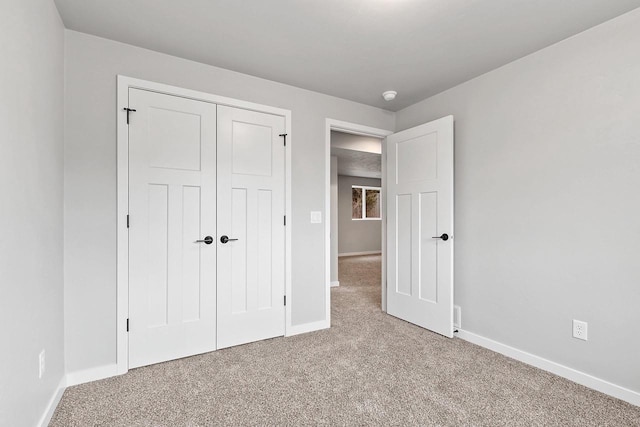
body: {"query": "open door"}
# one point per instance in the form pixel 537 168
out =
pixel 419 184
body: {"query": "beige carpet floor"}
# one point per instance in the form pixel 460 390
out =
pixel 368 369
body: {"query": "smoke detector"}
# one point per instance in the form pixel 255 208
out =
pixel 389 95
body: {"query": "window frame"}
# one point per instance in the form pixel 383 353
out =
pixel 364 189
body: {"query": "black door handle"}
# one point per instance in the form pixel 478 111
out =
pixel 208 240
pixel 225 239
pixel 444 237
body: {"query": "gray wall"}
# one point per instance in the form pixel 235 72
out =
pixel 333 205
pixel 90 179
pixel 547 199
pixel 356 236
pixel 31 141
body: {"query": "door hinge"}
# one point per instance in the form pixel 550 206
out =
pixel 127 221
pixel 285 300
pixel 127 324
pixel 285 220
pixel 128 110
pixel 284 135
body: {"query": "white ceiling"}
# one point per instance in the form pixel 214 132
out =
pixel 353 49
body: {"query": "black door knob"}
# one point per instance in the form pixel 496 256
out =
pixel 207 240
pixel 444 237
pixel 225 239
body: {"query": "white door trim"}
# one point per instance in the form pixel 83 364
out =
pixel 122 161
pixel 354 129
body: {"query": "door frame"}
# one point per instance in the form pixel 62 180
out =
pixel 362 130
pixel 125 83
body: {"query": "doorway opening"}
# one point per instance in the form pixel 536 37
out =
pixel 417 225
pixel 356 212
pixel 355 208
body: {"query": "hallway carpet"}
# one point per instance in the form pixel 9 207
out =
pixel 368 369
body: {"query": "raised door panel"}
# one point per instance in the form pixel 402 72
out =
pixel 404 244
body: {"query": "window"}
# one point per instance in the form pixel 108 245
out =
pixel 365 202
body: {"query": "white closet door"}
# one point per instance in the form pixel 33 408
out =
pixel 172 199
pixel 251 208
pixel 420 225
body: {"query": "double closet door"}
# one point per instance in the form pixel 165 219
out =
pixel 206 231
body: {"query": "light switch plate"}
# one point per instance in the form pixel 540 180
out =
pixel 316 217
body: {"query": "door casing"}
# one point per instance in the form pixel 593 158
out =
pixel 124 83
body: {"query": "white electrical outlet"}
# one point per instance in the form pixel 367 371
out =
pixel 41 365
pixel 580 329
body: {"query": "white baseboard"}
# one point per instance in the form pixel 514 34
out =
pixel 335 284
pixel 360 253
pixel 45 419
pixel 308 327
pixel 574 375
pixel 92 374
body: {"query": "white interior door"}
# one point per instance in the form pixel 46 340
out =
pixel 172 204
pixel 420 225
pixel 251 208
